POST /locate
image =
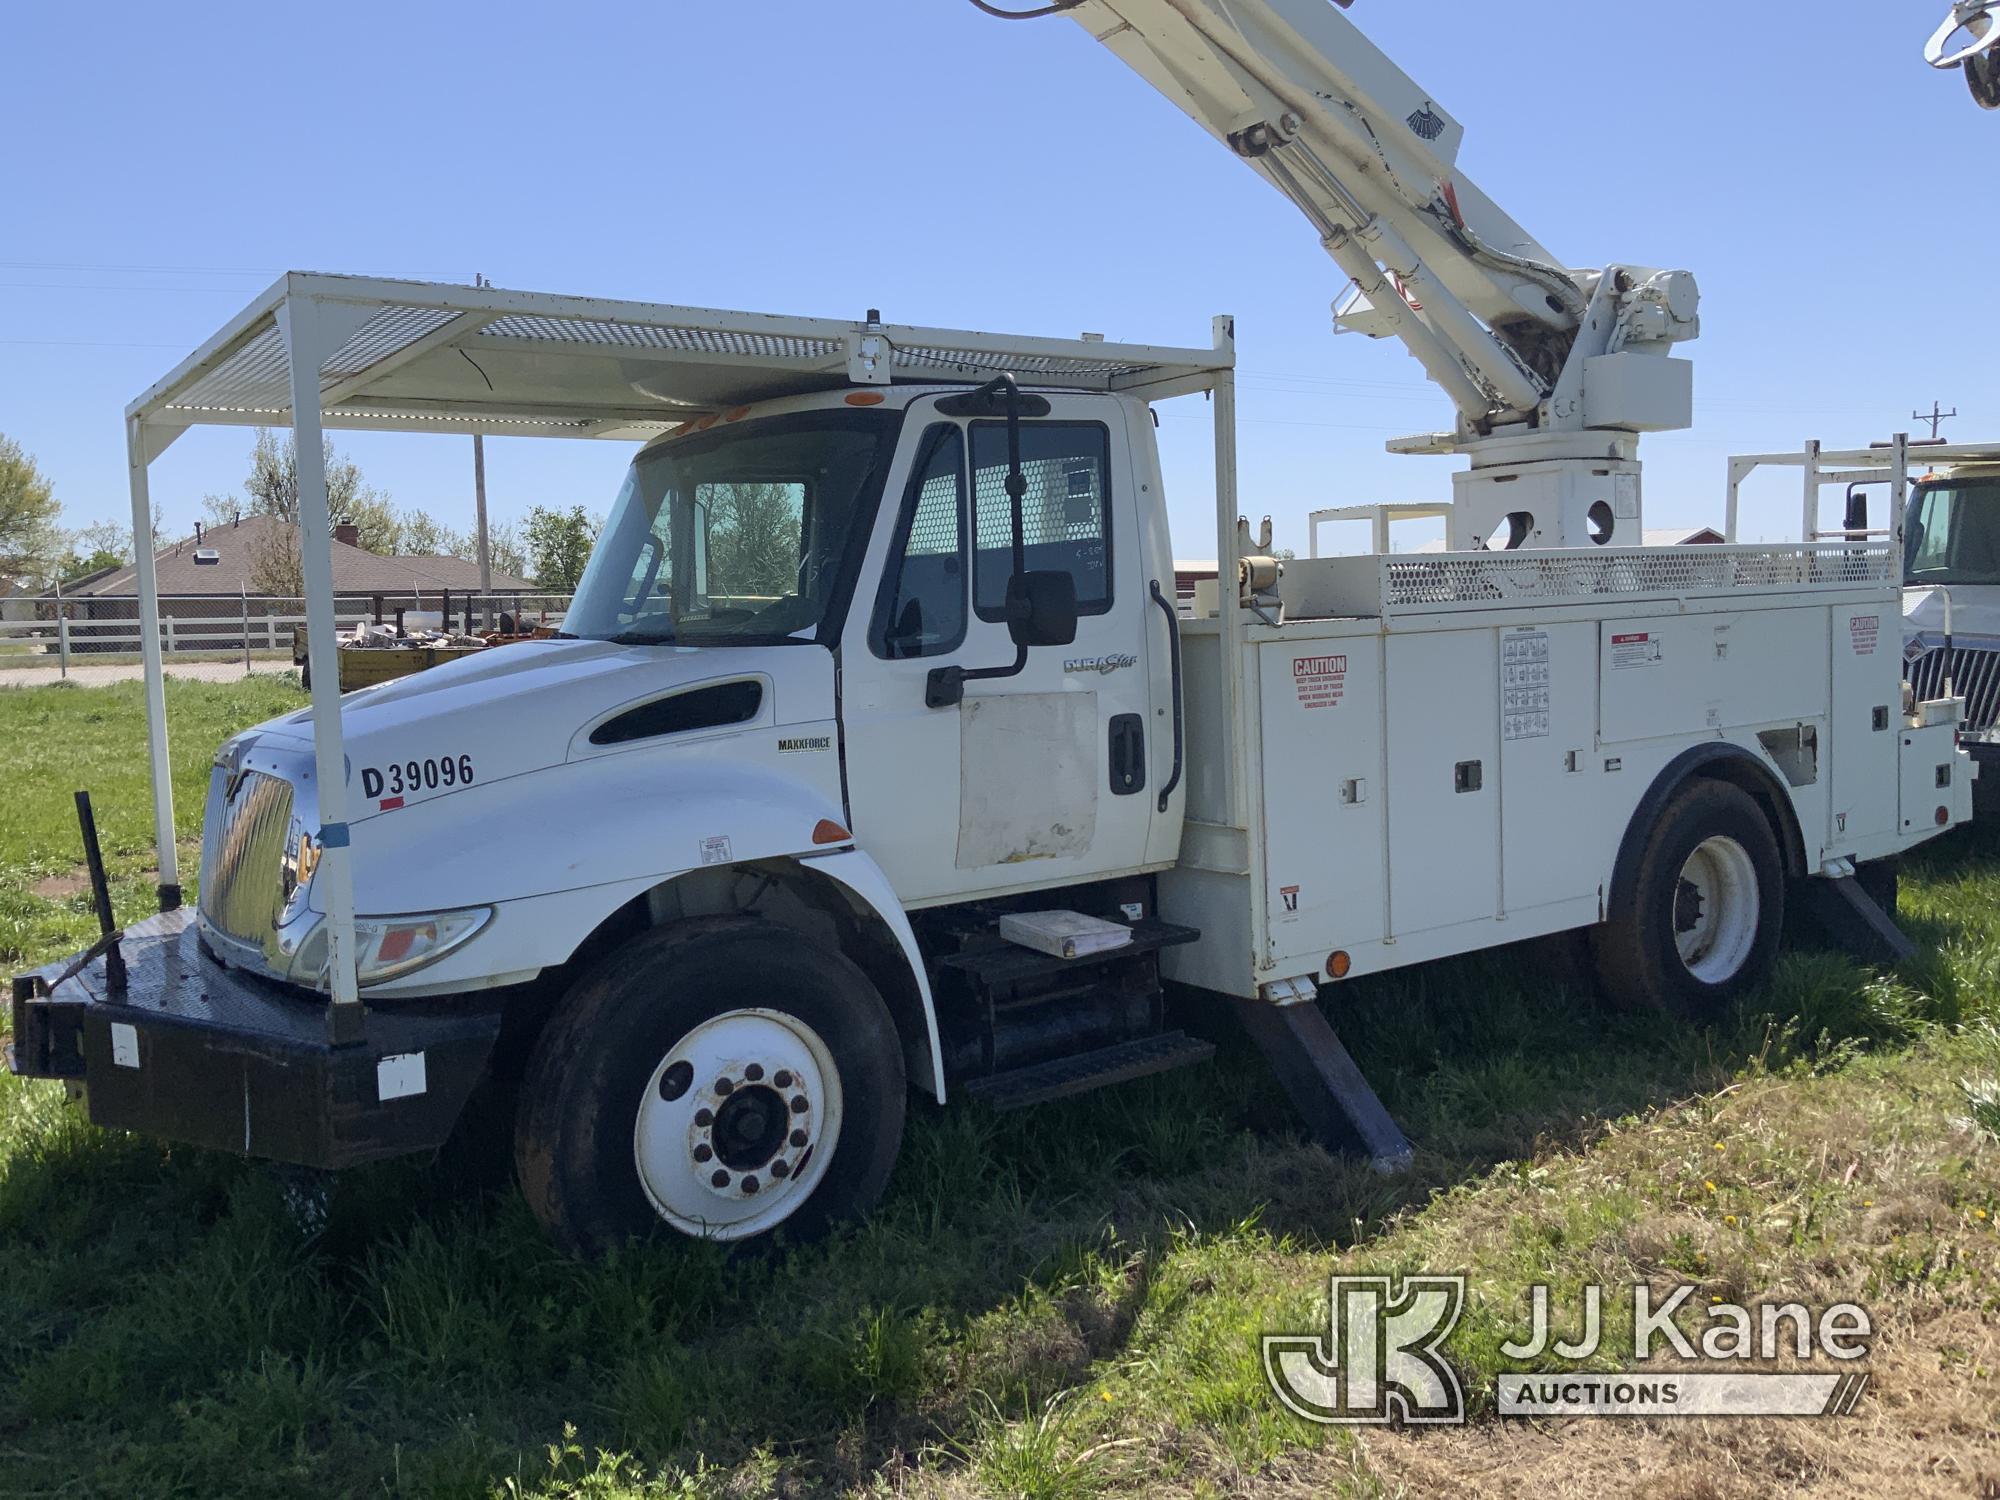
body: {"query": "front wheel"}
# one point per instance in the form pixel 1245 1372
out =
pixel 1706 910
pixel 723 1080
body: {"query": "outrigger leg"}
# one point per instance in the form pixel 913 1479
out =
pixel 1323 1082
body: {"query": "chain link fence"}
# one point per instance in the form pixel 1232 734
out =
pixel 53 633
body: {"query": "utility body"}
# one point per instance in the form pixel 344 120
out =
pixel 879 646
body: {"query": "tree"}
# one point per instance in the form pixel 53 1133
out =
pixel 272 489
pixel 558 543
pixel 32 546
pixel 753 539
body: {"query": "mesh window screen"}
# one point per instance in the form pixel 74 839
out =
pixel 1065 514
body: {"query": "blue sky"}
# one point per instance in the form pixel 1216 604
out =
pixel 163 164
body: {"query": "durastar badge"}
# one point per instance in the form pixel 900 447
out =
pixel 1117 662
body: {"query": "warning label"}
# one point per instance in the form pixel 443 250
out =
pixel 1524 685
pixel 1864 632
pixel 1636 649
pixel 1321 681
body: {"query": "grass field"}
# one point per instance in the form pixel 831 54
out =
pixel 1059 1304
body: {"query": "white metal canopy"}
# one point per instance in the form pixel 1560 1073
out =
pixel 319 351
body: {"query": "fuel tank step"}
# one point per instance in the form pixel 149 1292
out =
pixel 1084 1071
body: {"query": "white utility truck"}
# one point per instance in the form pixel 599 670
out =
pixel 1944 514
pixel 879 649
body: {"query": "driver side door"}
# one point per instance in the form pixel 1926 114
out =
pixel 1034 779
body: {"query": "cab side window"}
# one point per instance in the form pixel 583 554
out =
pixel 921 608
pixel 1065 514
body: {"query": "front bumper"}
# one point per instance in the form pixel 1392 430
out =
pixel 196 1052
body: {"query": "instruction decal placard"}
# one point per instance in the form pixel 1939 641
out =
pixel 1636 648
pixel 1321 681
pixel 1524 685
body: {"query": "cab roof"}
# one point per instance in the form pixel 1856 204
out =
pixel 417 356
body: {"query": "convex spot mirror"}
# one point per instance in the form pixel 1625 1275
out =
pixel 1041 608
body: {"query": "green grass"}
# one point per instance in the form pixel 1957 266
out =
pixel 1062 1303
pixel 61 738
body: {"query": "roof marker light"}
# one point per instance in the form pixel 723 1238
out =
pixel 864 398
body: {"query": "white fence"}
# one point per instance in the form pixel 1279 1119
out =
pixel 88 629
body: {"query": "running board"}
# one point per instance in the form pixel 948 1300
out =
pixel 1323 1082
pixel 1083 1071
pixel 1856 921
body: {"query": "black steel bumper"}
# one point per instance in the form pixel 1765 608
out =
pixel 196 1052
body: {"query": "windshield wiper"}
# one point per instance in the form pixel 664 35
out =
pixel 639 638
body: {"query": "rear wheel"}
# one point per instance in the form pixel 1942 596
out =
pixel 1706 909
pixel 724 1080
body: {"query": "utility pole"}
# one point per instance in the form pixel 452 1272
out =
pixel 1935 417
pixel 479 506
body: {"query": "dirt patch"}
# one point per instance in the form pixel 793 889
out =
pixel 60 887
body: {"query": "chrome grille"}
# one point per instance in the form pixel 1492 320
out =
pixel 1975 677
pixel 242 874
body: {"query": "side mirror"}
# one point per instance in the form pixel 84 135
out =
pixel 1041 608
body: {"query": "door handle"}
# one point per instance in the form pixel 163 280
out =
pixel 1128 754
pixel 1174 669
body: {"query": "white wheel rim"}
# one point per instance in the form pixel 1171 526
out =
pixel 1716 909
pixel 737 1124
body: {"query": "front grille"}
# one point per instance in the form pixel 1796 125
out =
pixel 1975 677
pixel 243 875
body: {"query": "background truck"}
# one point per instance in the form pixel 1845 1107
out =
pixel 878 655
pixel 1947 519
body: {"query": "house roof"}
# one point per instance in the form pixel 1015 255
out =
pixel 237 546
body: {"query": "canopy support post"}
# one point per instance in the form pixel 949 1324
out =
pixel 136 463
pixel 306 347
pixel 1223 395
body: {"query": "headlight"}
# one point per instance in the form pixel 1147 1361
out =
pixel 390 947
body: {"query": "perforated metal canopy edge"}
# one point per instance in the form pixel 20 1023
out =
pixel 436 357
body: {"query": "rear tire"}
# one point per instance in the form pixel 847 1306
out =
pixel 1706 909
pixel 723 1079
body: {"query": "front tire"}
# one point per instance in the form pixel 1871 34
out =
pixel 1706 911
pixel 721 1079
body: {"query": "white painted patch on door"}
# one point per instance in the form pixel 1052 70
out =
pixel 1027 777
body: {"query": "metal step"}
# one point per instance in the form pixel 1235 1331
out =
pixel 997 963
pixel 1089 1070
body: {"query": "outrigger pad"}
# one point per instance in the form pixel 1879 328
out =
pixel 1324 1084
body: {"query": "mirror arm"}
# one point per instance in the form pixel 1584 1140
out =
pixel 944 687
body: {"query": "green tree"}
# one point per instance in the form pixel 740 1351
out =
pixel 272 489
pixel 558 543
pixel 32 546
pixel 753 539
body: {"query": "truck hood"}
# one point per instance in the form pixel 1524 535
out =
pixel 1975 616
pixel 530 705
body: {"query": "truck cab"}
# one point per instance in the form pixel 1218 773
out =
pixel 1951 622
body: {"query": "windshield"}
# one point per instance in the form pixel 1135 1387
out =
pixel 1953 532
pixel 738 535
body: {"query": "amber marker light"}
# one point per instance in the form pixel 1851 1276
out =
pixel 830 832
pixel 864 398
pixel 1338 963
